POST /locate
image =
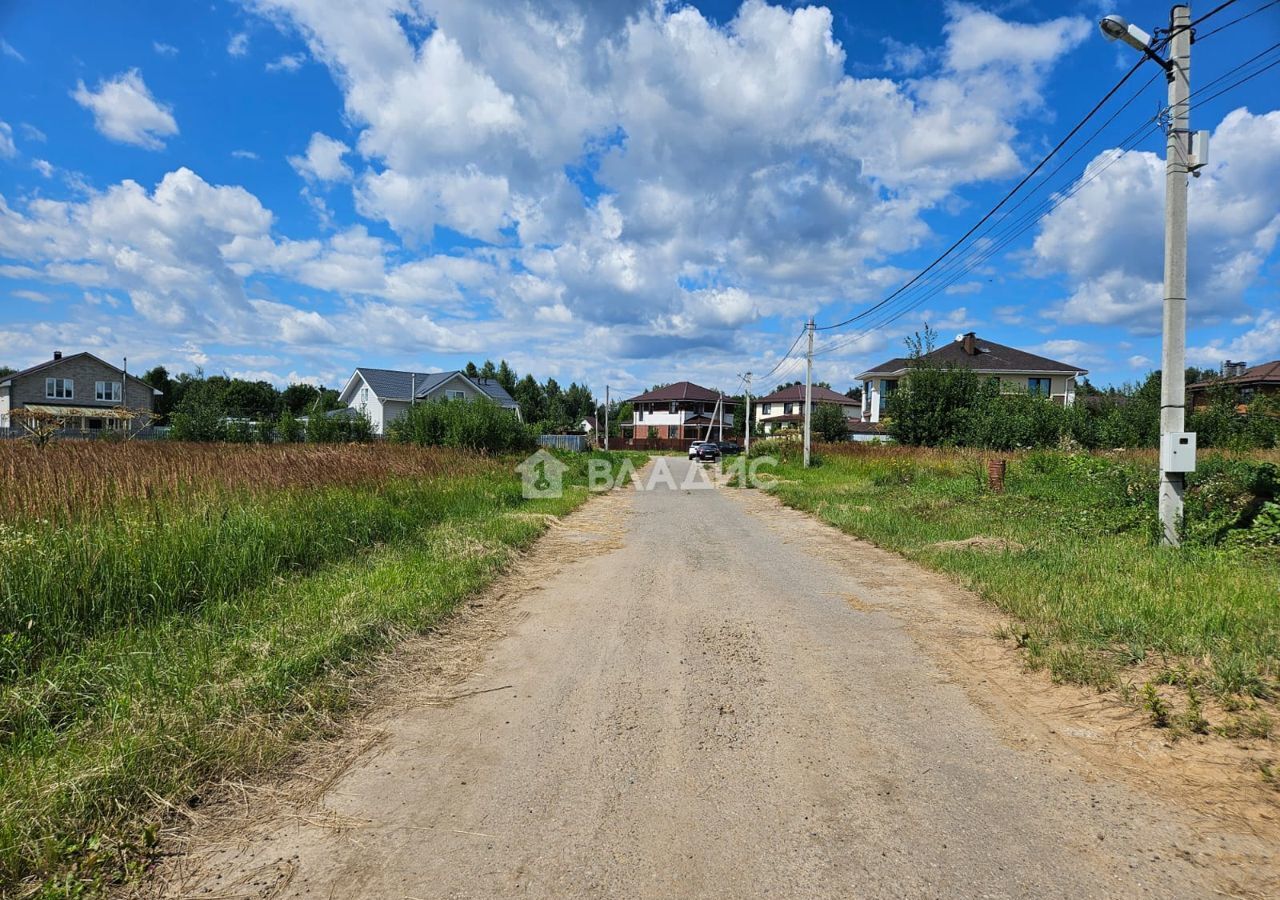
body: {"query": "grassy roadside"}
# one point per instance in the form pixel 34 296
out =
pixel 118 718
pixel 1067 552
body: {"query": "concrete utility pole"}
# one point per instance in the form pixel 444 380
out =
pixel 1173 354
pixel 746 425
pixel 808 392
pixel 606 417
pixel 1184 154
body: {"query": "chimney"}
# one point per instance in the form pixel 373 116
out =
pixel 1231 369
pixel 57 354
pixel 970 343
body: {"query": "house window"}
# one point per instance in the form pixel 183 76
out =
pixel 640 413
pixel 766 409
pixel 107 391
pixel 674 407
pixel 887 387
pixel 788 408
pixel 1039 386
pixel 455 395
pixel 364 396
pixel 59 389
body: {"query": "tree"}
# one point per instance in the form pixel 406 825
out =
pixel 528 396
pixel 506 376
pixel 257 400
pixel 6 371
pixel 159 379
pixel 471 371
pixel 854 394
pixel 488 371
pixel 829 422
pixel 824 384
pixel 299 399
pixel 201 414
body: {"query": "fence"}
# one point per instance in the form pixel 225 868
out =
pixel 577 442
pixel 76 434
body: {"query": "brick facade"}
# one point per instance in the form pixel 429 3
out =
pixel 84 371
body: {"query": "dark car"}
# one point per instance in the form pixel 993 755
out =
pixel 708 450
pixel 728 448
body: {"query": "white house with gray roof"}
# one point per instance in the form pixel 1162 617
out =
pixel 384 395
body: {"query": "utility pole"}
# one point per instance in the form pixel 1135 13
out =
pixel 808 392
pixel 746 427
pixel 720 406
pixel 606 417
pixel 1184 154
pixel 1173 353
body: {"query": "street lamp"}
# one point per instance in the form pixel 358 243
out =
pixel 1183 156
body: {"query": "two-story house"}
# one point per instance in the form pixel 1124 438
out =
pixel 1241 381
pixel 85 392
pixel 1016 370
pixel 785 408
pixel 679 412
pixel 384 395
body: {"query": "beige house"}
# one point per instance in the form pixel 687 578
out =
pixel 384 395
pixel 785 408
pixel 88 393
pixel 1017 371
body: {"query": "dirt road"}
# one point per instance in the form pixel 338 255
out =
pixel 694 699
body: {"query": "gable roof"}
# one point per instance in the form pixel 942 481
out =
pixel 795 392
pixel 991 357
pixel 7 379
pixel 681 390
pixel 1266 373
pixel 391 384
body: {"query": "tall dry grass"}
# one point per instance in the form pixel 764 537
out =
pixel 73 481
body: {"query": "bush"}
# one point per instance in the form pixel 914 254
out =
pixel 343 429
pixel 471 425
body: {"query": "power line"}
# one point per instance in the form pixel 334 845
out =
pixel 974 255
pixel 1235 21
pixel 1005 199
pixel 784 356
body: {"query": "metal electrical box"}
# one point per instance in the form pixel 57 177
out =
pixel 1178 452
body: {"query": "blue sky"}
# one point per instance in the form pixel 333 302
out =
pixel 620 193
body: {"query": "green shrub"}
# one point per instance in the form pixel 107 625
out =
pixel 467 424
pixel 342 429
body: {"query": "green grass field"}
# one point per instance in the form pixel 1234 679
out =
pixel 1089 594
pixel 152 648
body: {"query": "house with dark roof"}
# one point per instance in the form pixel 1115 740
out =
pixel 683 411
pixel 84 392
pixel 785 408
pixel 1016 370
pixel 384 395
pixel 1245 382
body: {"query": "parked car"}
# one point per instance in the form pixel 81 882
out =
pixel 693 449
pixel 728 448
pixel 707 451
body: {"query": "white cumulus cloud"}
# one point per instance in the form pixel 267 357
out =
pixel 323 159
pixel 124 110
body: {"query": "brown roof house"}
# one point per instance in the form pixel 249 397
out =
pixel 785 408
pixel 89 394
pixel 680 411
pixel 1247 382
pixel 1017 371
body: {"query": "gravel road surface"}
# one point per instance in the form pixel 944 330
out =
pixel 688 701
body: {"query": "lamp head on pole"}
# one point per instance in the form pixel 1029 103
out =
pixel 1116 28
